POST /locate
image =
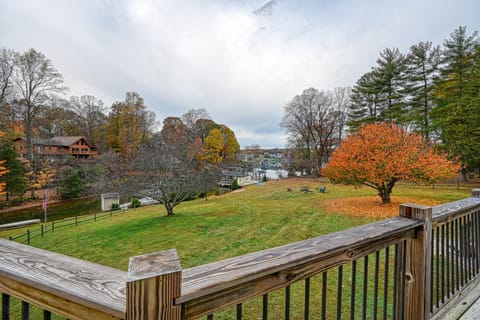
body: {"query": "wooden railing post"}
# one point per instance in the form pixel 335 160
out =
pixel 475 193
pixel 417 265
pixel 153 283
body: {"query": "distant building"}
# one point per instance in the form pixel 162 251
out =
pixel 57 147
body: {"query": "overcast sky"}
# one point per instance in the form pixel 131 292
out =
pixel 240 60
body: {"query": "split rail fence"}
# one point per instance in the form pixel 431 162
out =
pixel 419 265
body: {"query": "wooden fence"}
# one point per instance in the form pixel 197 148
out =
pixel 46 227
pixel 415 266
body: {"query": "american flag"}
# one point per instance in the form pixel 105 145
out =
pixel 44 203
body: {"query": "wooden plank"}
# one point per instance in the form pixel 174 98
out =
pixel 43 278
pixel 154 281
pixel 53 303
pixel 216 285
pixel 447 211
pixel 458 304
pixel 417 273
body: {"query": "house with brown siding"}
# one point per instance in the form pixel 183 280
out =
pixel 57 147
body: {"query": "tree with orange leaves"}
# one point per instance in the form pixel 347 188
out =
pixel 379 155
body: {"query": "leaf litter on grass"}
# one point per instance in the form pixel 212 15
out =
pixel 372 206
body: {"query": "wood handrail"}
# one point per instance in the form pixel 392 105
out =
pixel 68 286
pixel 217 285
pixel 450 210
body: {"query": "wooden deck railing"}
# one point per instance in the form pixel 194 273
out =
pixel 415 266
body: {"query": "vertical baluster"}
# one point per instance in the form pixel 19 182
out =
pixel 306 309
pixel 287 303
pixel 385 282
pixel 395 280
pixel 457 255
pixel 5 306
pixel 365 287
pixel 404 276
pixel 324 295
pixel 469 246
pixel 474 244
pixel 462 251
pixel 476 241
pixel 352 292
pixel 375 285
pixel 442 256
pixel 25 311
pixel 47 315
pixel 453 255
pixel 437 265
pixel 339 292
pixel 210 317
pixel 466 258
pixel 239 312
pixel 447 257
pixel 265 307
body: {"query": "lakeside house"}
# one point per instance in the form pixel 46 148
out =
pixel 57 147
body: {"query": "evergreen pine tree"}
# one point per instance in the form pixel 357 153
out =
pixel 15 179
pixel 456 94
pixel 390 82
pixel 422 68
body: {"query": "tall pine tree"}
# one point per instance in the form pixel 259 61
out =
pixel 422 69
pixel 457 98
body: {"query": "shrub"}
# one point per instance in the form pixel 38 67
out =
pixel 234 185
pixel 135 203
pixel 115 206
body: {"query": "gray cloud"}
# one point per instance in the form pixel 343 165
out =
pixel 241 60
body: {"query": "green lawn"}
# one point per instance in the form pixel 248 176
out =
pixel 255 218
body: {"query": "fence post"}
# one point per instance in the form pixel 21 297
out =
pixel 475 193
pixel 28 236
pixel 153 283
pixel 417 266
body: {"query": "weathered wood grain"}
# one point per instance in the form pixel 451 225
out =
pixel 71 287
pixel 154 281
pixel 216 285
pixel 448 211
pixel 417 282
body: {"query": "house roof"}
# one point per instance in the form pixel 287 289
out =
pixel 56 141
pixel 65 141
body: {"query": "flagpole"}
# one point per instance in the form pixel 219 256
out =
pixel 45 204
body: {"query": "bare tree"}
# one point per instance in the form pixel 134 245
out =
pixel 35 79
pixel 7 67
pixel 190 117
pixel 166 172
pixel 314 122
pixel 92 111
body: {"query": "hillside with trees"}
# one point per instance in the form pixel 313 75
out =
pixel 126 136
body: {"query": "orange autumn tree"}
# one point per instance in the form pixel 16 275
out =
pixel 379 155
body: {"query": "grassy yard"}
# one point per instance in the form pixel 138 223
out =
pixel 251 219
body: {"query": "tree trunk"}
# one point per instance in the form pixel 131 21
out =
pixel 169 209
pixel 385 196
pixel 385 190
